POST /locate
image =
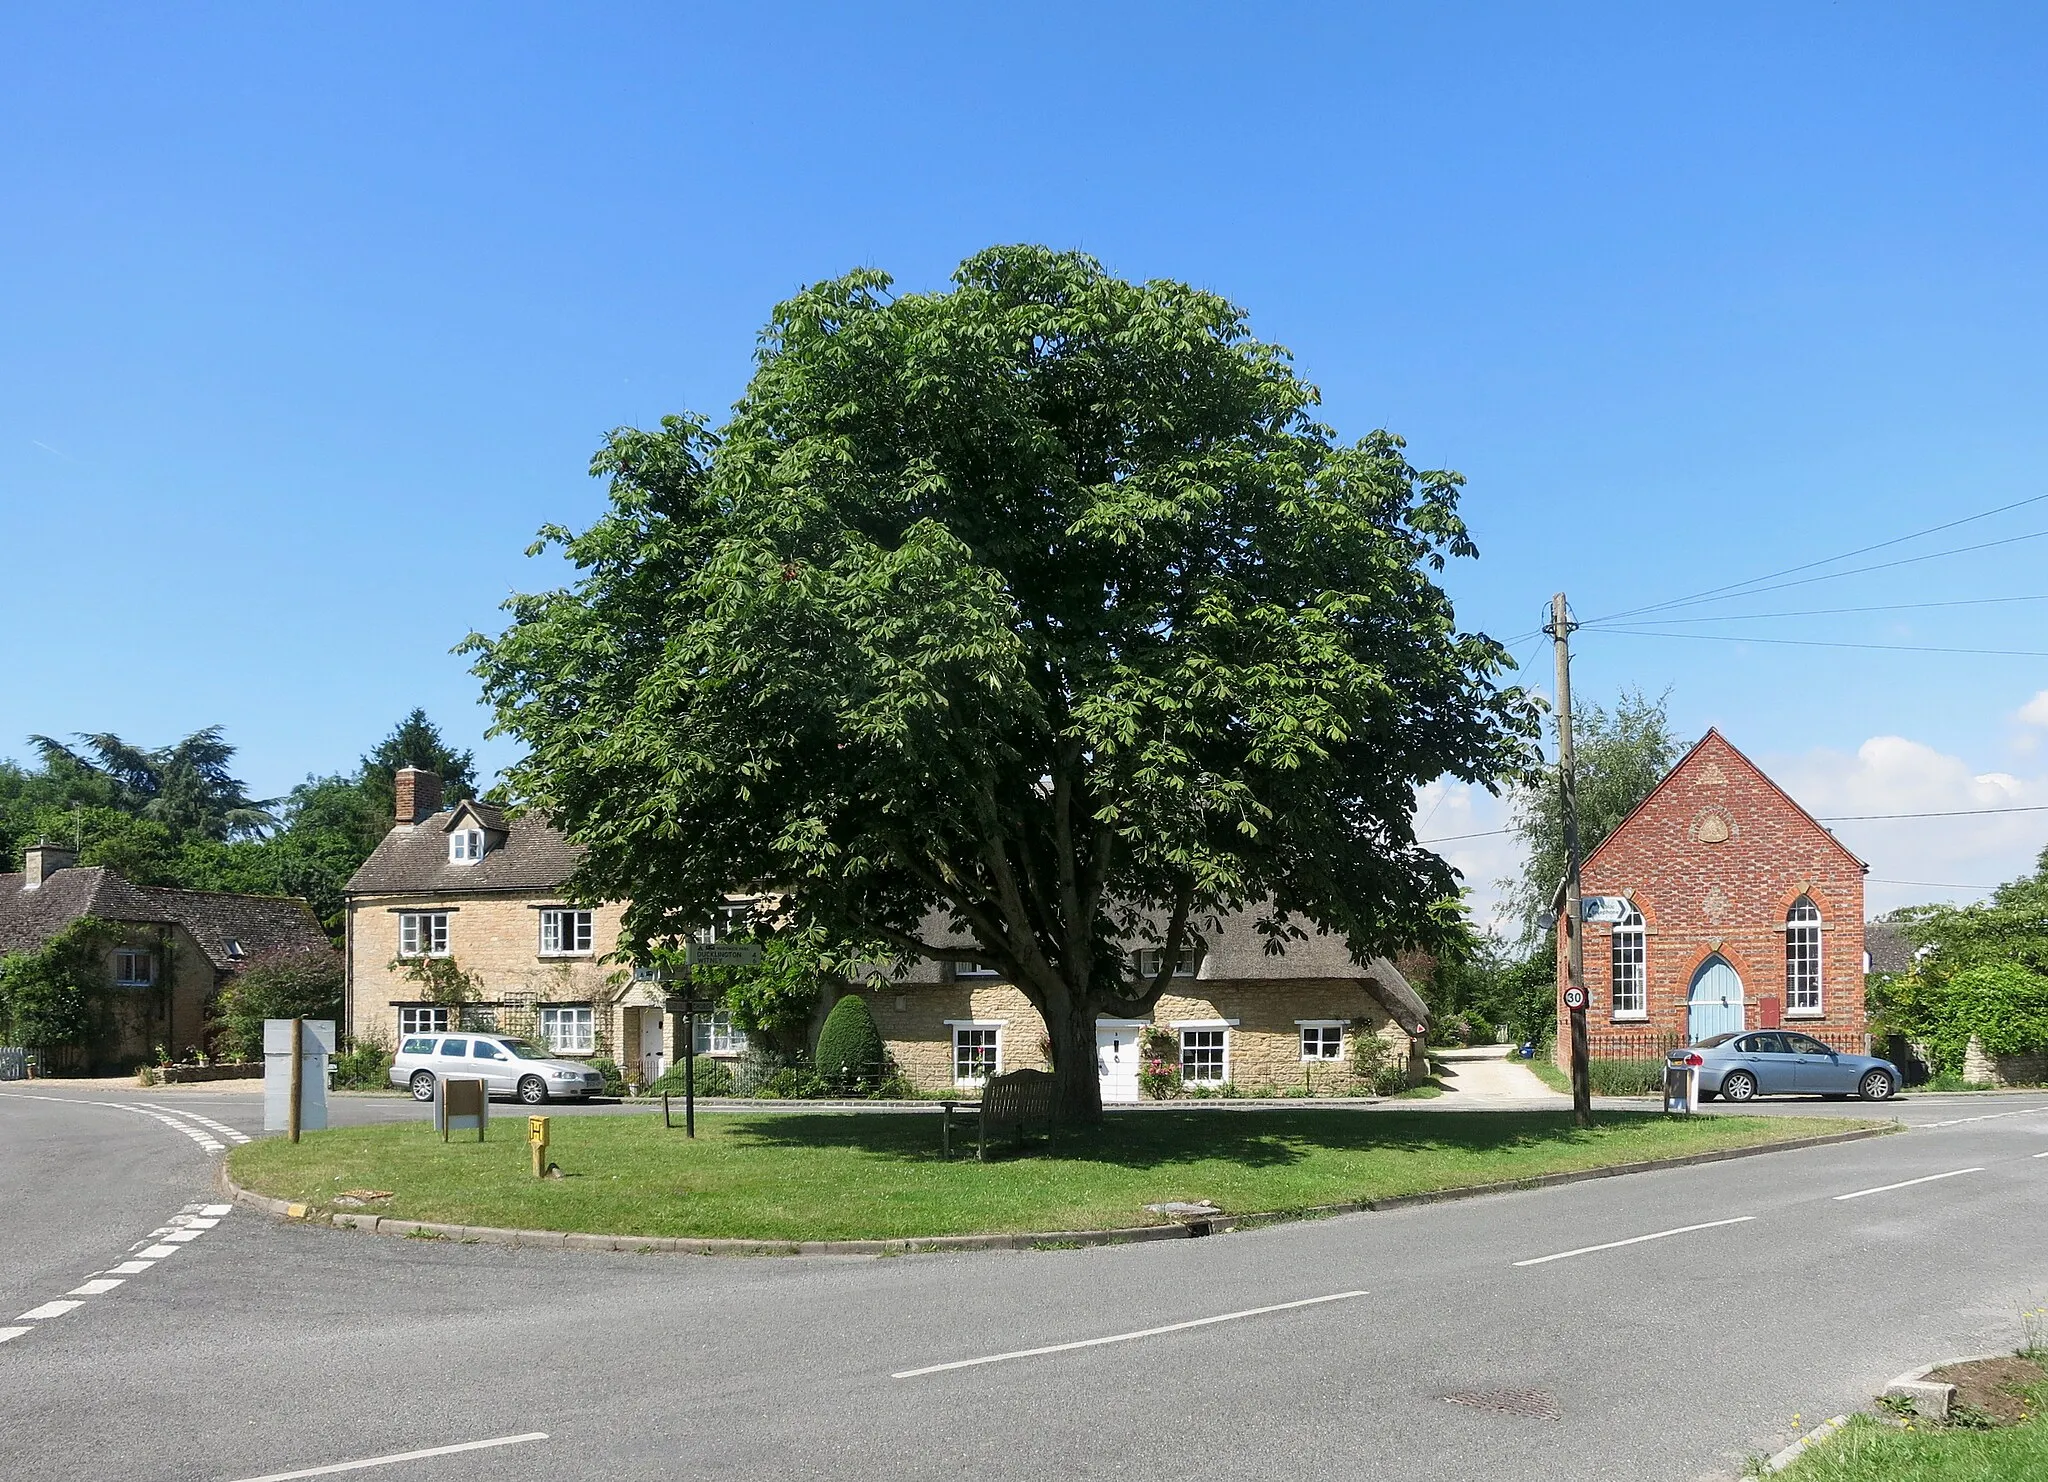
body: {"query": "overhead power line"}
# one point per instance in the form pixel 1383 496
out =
pixel 1737 617
pixel 1451 838
pixel 1938 813
pixel 1743 587
pixel 1897 648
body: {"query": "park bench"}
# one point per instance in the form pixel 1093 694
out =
pixel 1012 1104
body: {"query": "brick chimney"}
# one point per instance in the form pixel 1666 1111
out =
pixel 419 794
pixel 43 860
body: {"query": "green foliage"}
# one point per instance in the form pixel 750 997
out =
pixel 1374 1063
pixel 1044 602
pixel 850 1044
pixel 1158 1064
pixel 614 1078
pixel 775 1000
pixel 61 994
pixel 1639 1077
pixel 711 1077
pixel 285 985
pixel 1492 984
pixel 186 786
pixel 415 742
pixel 365 1066
pixel 1619 757
pixel 441 980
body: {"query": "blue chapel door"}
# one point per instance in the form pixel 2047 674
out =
pixel 1714 1006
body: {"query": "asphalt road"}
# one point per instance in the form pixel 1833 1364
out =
pixel 254 1349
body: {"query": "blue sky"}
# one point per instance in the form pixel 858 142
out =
pixel 312 315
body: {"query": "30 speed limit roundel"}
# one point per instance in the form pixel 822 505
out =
pixel 1574 998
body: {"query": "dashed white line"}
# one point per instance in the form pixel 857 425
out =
pixel 158 1252
pixel 398 1456
pixel 130 1268
pixel 182 1237
pixel 1986 1117
pixel 6 1333
pixel 1587 1250
pixel 1172 1327
pixel 98 1287
pixel 1907 1184
pixel 48 1310
pixel 222 1128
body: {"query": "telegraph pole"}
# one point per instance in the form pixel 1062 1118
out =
pixel 1560 629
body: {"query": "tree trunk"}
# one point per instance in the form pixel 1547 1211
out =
pixel 1071 1027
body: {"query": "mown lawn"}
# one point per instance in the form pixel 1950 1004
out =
pixel 1866 1450
pixel 877 1176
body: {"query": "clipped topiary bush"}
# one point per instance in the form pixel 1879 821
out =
pixel 709 1078
pixel 850 1046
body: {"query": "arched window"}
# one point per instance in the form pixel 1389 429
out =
pixel 1802 958
pixel 1631 1000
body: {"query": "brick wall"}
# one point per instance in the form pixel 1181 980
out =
pixel 1714 860
pixel 497 937
pixel 1263 1050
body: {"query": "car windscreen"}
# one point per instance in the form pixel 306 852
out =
pixel 1708 1044
pixel 526 1049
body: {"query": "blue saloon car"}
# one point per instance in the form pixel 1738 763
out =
pixel 1783 1062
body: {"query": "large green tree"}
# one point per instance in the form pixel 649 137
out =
pixel 185 786
pixel 1619 756
pixel 1044 604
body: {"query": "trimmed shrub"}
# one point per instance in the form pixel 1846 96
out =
pixel 1626 1077
pixel 284 985
pixel 614 1078
pixel 850 1045
pixel 364 1067
pixel 710 1078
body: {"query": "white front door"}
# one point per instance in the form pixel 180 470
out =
pixel 1116 1061
pixel 653 1049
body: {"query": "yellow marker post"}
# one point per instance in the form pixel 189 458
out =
pixel 537 1141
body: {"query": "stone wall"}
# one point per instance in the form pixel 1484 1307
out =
pixel 1980 1066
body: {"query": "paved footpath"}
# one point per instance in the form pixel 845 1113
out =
pixel 1482 1077
pixel 1622 1336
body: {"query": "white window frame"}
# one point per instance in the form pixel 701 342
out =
pixel 466 846
pixel 1145 962
pixel 418 1019
pixel 125 959
pixel 569 1028
pixel 1322 1029
pixel 422 933
pixel 1221 1047
pixel 1628 967
pixel 974 971
pixel 716 1035
pixel 1805 961
pixel 993 1028
pixel 565 931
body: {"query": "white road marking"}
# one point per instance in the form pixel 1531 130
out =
pixel 192 1116
pixel 192 1222
pixel 1172 1327
pixel 2040 1155
pixel 215 1211
pixel 1587 1250
pixel 158 1252
pixel 130 1268
pixel 203 1138
pixel 398 1456
pixel 98 1287
pixel 1987 1117
pixel 48 1309
pixel 182 1237
pixel 1887 1188
pixel 6 1333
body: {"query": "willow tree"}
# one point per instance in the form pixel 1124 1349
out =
pixel 1043 606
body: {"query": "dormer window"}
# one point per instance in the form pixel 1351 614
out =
pixel 234 949
pixel 1147 961
pixel 466 845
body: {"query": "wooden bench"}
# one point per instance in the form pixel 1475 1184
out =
pixel 1015 1104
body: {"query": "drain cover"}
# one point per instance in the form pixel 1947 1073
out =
pixel 1532 1403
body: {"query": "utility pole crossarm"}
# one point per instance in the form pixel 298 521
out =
pixel 1560 630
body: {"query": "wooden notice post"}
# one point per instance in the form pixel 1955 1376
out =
pixel 298 1075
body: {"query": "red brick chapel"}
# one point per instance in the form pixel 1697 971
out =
pixel 1744 913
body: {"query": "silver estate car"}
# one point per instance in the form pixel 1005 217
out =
pixel 1780 1062
pixel 509 1066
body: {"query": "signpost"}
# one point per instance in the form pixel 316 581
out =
pixel 689 1008
pixel 1604 910
pixel 1575 998
pixel 724 954
pixel 460 1103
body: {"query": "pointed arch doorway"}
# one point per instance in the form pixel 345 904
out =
pixel 1714 1002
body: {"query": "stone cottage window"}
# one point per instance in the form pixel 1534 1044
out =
pixel 423 934
pixel 466 845
pixel 565 933
pixel 977 1053
pixel 421 1019
pixel 1802 958
pixel 1628 961
pixel 568 1027
pixel 134 968
pixel 1202 1056
pixel 717 1036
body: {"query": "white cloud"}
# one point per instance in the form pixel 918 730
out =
pixel 1467 823
pixel 2035 712
pixel 1912 860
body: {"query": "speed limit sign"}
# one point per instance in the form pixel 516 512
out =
pixel 1574 998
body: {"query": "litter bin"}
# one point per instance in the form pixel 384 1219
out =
pixel 1681 1088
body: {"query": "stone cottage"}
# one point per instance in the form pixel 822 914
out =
pixel 169 951
pixel 1743 912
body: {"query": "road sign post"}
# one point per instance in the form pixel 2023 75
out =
pixel 689 1008
pixel 537 1140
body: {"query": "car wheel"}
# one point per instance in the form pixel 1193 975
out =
pixel 1875 1086
pixel 533 1090
pixel 423 1085
pixel 1738 1085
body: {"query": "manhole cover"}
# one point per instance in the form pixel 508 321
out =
pixel 1533 1403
